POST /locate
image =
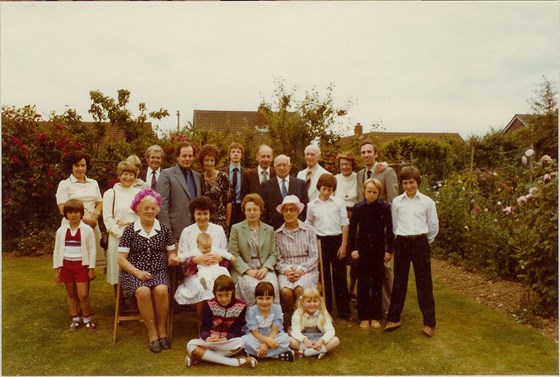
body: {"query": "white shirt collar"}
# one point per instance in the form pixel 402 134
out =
pixel 155 229
pixel 281 179
pixel 260 170
pixel 74 179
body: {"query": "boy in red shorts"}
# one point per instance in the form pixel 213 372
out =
pixel 74 262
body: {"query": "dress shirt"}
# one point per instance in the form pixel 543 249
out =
pixel 372 170
pixel 260 170
pixel 414 216
pixel 328 217
pixel 347 188
pixel 149 174
pixel 236 190
pixel 287 183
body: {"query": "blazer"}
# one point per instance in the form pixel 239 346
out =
pixel 388 179
pixel 175 199
pixel 240 247
pixel 270 192
pixel 313 193
pixel 250 182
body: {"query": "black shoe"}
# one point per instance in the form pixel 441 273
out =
pixel 155 347
pixel 165 343
pixel 287 356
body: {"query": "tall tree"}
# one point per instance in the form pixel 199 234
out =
pixel 294 123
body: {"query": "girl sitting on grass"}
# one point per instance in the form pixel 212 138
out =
pixel 220 331
pixel 312 327
pixel 265 335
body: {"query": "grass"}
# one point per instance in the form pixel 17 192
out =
pixel 470 338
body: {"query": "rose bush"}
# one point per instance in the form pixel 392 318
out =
pixel 505 226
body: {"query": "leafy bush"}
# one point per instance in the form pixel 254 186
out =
pixel 506 227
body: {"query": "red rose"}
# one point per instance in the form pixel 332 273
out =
pixel 15 160
pixel 50 172
pixel 42 136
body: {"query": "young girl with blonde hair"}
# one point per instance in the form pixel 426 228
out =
pixel 312 327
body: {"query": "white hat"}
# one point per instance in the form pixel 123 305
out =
pixel 291 199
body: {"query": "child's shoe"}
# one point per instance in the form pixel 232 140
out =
pixel 287 356
pixel 375 324
pixel 321 355
pixel 250 362
pixel 75 325
pixel 364 325
pixel 204 283
pixel 91 326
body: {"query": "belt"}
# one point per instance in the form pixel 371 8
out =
pixel 327 237
pixel 413 237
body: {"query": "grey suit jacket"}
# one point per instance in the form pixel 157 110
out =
pixel 270 192
pixel 388 179
pixel 175 199
pixel 240 246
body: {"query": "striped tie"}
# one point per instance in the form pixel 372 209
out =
pixel 308 179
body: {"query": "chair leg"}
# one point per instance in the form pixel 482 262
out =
pixel 117 311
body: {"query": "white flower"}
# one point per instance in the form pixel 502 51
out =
pixel 546 159
pixel 524 160
pixel 485 209
pixel 499 203
pixel 495 174
pixel 466 227
pixel 529 152
pixel 533 191
pixel 521 200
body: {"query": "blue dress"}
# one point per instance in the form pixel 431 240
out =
pixel 255 321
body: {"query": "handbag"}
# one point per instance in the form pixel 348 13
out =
pixel 104 240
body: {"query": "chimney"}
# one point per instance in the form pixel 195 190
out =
pixel 358 130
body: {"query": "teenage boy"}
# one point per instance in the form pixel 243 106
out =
pixel 415 225
pixel 235 173
pixel 327 214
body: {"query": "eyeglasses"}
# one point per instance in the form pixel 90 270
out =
pixel 342 164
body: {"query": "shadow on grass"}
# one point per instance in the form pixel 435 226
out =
pixel 470 338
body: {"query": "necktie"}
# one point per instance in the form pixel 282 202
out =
pixel 264 174
pixel 190 183
pixel 308 179
pixel 284 189
pixel 154 182
pixel 235 193
pixel 368 174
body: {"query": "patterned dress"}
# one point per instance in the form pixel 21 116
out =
pixel 221 194
pixel 147 252
pixel 297 250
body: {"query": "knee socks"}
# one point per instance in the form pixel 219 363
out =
pixel 312 352
pixel 218 358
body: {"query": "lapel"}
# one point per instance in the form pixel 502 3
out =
pixel 246 234
pixel 197 182
pixel 292 188
pixel 181 179
pixel 262 237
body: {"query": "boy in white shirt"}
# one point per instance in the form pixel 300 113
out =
pixel 415 225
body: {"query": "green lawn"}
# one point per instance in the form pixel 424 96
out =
pixel 470 338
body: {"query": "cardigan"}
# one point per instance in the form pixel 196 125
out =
pixel 311 320
pixel 88 247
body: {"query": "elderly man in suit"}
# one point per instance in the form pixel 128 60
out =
pixel 235 175
pixel 311 174
pixel 275 190
pixel 388 178
pixel 154 157
pixel 178 186
pixel 253 178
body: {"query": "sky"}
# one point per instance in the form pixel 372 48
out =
pixel 461 67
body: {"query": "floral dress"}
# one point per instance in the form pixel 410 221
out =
pixel 147 252
pixel 221 194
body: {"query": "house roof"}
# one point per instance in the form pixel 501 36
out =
pixel 224 121
pixel 518 121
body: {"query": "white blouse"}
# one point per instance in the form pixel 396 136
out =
pixel 187 241
pixel 117 213
pixel 347 188
pixel 88 192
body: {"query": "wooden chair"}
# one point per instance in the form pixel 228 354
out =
pixel 126 309
pixel 176 278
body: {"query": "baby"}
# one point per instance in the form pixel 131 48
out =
pixel 207 274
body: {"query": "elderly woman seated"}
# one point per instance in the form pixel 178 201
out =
pixel 297 253
pixel 146 250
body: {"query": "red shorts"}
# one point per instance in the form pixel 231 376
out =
pixel 73 272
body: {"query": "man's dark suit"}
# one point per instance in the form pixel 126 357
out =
pixel 270 192
pixel 250 182
pixel 236 214
pixel 143 175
